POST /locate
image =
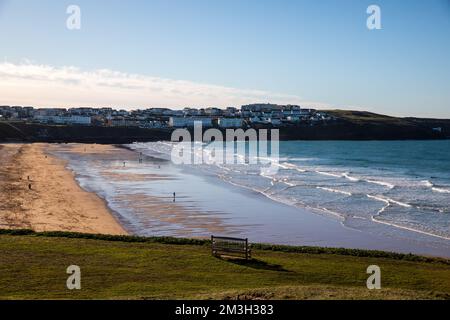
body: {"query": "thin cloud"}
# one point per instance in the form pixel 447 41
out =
pixel 43 86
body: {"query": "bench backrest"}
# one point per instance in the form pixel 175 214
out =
pixel 230 245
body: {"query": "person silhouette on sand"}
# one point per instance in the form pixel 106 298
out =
pixel 174 197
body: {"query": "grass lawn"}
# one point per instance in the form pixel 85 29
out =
pixel 34 267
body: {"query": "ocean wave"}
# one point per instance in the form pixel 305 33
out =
pixel 396 225
pixel 333 213
pixel 440 190
pixel 401 204
pixel 379 199
pixel 303 159
pixel 427 183
pixel 262 192
pixel 287 165
pixel 347 176
pixel 328 174
pixel 262 174
pixel 335 191
pixel 389 201
pixel 290 184
pixel 377 218
pixel 270 159
pixel 435 188
pixel 381 183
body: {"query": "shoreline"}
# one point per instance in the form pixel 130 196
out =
pixel 342 219
pixel 196 217
pixel 205 202
pixel 40 193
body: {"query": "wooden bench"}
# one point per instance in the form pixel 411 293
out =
pixel 230 247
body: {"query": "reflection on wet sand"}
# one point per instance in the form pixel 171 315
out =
pixel 136 184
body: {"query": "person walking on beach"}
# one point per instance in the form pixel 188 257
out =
pixel 174 197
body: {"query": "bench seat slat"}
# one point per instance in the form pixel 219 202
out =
pixel 231 249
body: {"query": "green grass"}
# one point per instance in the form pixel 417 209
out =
pixel 33 266
pixel 362 117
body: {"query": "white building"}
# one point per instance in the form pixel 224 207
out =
pixel 213 111
pixel 187 122
pixel 82 120
pixel 231 122
pixel 231 112
pixel 124 122
pixel 275 122
pixel 260 120
pixel 306 112
pixel 293 118
pixel 267 121
pixel 153 124
pixel 50 112
pixel 78 120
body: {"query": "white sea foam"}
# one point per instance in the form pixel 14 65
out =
pixel 431 185
pixel 378 198
pixel 347 176
pixel 335 190
pixel 382 183
pixel 396 225
pixel 427 183
pixel 328 174
pixel 440 190
pixel 389 201
pixel 402 204
pixel 287 165
pixel 333 213
pixel 303 159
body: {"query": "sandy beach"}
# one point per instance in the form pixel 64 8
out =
pixel 38 192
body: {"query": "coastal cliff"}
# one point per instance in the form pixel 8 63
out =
pixel 348 125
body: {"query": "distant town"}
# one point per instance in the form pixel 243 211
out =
pixel 272 115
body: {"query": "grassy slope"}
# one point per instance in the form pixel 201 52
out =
pixel 368 117
pixel 365 117
pixel 34 267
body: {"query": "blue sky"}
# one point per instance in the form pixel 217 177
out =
pixel 313 52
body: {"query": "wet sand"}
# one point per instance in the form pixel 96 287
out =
pixel 138 200
pixel 37 192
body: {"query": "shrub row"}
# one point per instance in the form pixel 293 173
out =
pixel 200 242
